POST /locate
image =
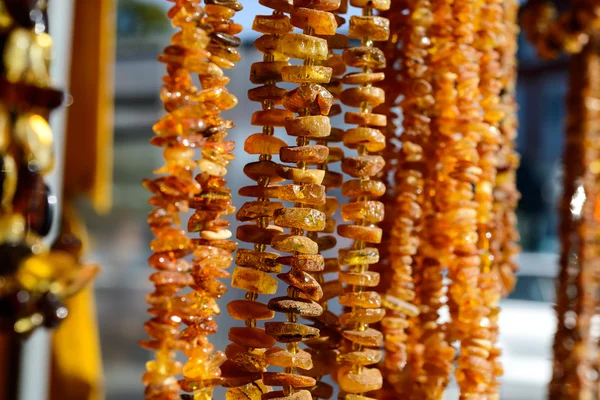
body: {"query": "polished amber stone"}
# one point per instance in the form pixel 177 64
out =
pixel 374 27
pixel 361 299
pixel 306 74
pixel 299 175
pixel 312 194
pixel 365 316
pixel 369 211
pixel 313 126
pixel 369 337
pixel 399 305
pixel 367 278
pixel 280 395
pixel 304 282
pixel 253 210
pixel 263 144
pixel 273 117
pixel 325 5
pixel 294 243
pixel 269 192
pixel 330 206
pixel 307 219
pixel 244 309
pixel 322 22
pixel 171 240
pixel 312 154
pixel 363 166
pixel 260 169
pixel 368 255
pixel 365 119
pixel 369 234
pixel 372 139
pixel 253 280
pixel 363 78
pixel 364 56
pixel 174 278
pixel 252 360
pixel 366 188
pixel 204 368
pixel 286 379
pixel 336 154
pixel 309 96
pixel 256 234
pixel 303 307
pixel 331 289
pixel 272 24
pixel 332 179
pixel 278 357
pixel 351 381
pixel 251 337
pixel 361 357
pixel 300 46
pixel 235 376
pixel 289 332
pixel 381 5
pixel 266 71
pixel 260 260
pixel 267 92
pixel 357 96
pixel 283 6
pixel 304 262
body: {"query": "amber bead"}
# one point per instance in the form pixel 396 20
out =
pixel 298 175
pixel 289 332
pixel 322 22
pixel 279 395
pixel 253 281
pixel 306 74
pixel 279 357
pixel 363 166
pixel 285 379
pixel 304 282
pixel 369 337
pixel 315 154
pixel 369 234
pixel 312 194
pixel 262 261
pixel 244 309
pixel 314 126
pixel 304 262
pixel 365 380
pixel 272 24
pixel 315 98
pixel 251 337
pixel 361 299
pixel 367 278
pixel 254 210
pixel 302 218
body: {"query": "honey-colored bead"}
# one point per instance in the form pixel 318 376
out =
pixel 369 255
pixel 306 74
pixel 280 395
pixel 266 71
pixel 298 175
pixel 361 57
pixel 369 211
pixel 367 278
pixel 253 280
pixel 256 234
pixel 359 188
pixel 362 357
pixel 312 194
pixel 267 93
pixel 253 210
pixel 313 126
pixel 357 96
pixel 312 97
pixel 401 306
pixel 307 219
pixel 274 117
pixel 269 192
pixel 365 119
pixel 381 5
pixel 279 357
pixel 369 234
pixel 364 316
pixel 272 24
pixel 325 5
pixel 260 260
pixel 322 22
pixel 375 28
pixel 304 282
pixel 365 380
pixel 304 262
pixel 289 332
pixel 294 243
pixel 361 299
pixel 252 390
pixel 363 166
pixel 285 379
pixel 363 78
pixel 305 308
pixel 372 139
pixel 244 309
pixel 333 179
pixel 330 206
pixel 263 144
pixel 369 337
pixel 283 6
pixel 251 337
pixel 252 360
pixel 259 169
pixel 315 154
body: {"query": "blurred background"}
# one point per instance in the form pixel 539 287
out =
pixel 120 239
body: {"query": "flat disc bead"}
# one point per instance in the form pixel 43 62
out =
pixel 251 337
pixel 244 309
pixel 369 337
pixel 253 210
pixel 372 139
pixel 304 282
pixel 322 22
pixel 269 192
pixel 252 280
pixel 259 143
pixel 367 278
pixel 278 357
pixel 330 206
pixel 333 179
pixel 257 235
pixel 369 234
pixel 336 154
pixel 257 170
pixel 286 379
pixel 359 188
pixel 381 5
pixel 280 395
pixel 375 28
pixel 304 262
pixel 338 41
pixel 306 74
pixel 290 332
pixel 368 255
pixel 361 299
pixel 274 117
pixel 307 219
pixel 298 175
pixel 336 63
pixel 295 243
pixel 362 78
pixel 312 154
pixel 369 211
pixel 267 71
pixel 312 194
pixel 326 242
pixel 365 119
pixel 272 24
pixel 356 96
pixel 312 126
pixel 305 308
pixel 331 290
pixel 301 46
pixel 363 166
pixel 367 380
pixel 361 357
pixel 365 316
pixel 364 56
pixel 284 6
pixel 401 306
pixel 267 92
pixel 325 5
pixel 260 260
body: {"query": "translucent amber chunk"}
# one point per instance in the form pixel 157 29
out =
pixel 351 381
pixel 305 308
pixel 330 206
pixel 312 97
pixel 381 5
pixel 244 309
pixel 313 126
pixel 298 175
pixel 359 188
pixel 365 119
pixel 304 282
pixel 280 395
pixel 272 24
pixel 251 337
pixel 265 168
pixel 357 96
pixel 375 28
pixel 289 332
pixel 266 71
pixel 293 243
pixel 329 225
pixel 253 210
pixel 267 92
pixel 269 192
pixel 362 357
pixel 306 74
pixel 306 194
pixel 300 46
pixel 304 262
pixel 170 240
pixel 256 234
pixel 204 368
pixel 372 139
pixel 369 211
pixel 362 78
pixel 263 144
pixel 365 316
pixel 367 278
pixel 273 117
pixel 252 360
pixel 322 22
pixel 312 154
pixel 279 357
pixel 369 337
pixel 363 166
pixel 361 299
pixel 253 280
pixel 399 305
pixel 285 379
pixel 368 255
pixel 364 56
pixel 263 261
pixel 325 5
pixel 253 390
pixel 307 219
pixel 369 234
pixel 332 179
pixel 284 6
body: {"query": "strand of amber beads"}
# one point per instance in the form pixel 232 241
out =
pixel 313 103
pixel 323 350
pixel 574 348
pixel 213 251
pixel 363 307
pixel 251 351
